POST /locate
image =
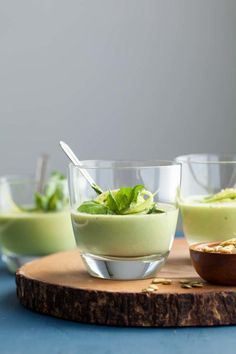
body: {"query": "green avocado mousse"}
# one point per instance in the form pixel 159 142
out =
pixel 34 224
pixel 121 231
pixel 125 223
pixel 209 218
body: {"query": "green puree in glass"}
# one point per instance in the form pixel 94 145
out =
pixel 41 229
pixel 36 233
pixel 134 235
pixel 124 223
pixel 210 218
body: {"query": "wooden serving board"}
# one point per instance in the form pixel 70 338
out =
pixel 58 285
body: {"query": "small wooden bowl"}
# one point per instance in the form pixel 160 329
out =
pixel 216 268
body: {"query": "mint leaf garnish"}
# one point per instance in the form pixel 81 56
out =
pixel 155 210
pixel 40 201
pixel 112 203
pixel 135 192
pixel 55 196
pixel 120 201
pixel 123 201
pixel 123 198
pixel 93 207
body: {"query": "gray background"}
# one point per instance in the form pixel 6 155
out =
pixel 116 79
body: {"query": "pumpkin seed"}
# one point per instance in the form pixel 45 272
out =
pixel 186 286
pixel 167 282
pixel 163 281
pixel 197 285
pixel 184 281
pixel 148 290
pixel 157 280
pixel 153 286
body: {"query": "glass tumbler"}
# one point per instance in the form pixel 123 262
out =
pixel 130 246
pixel 207 219
pixel 25 235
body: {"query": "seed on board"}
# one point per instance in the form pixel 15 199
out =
pixel 163 281
pixel 153 286
pixel 157 280
pixel 144 290
pixel 167 282
pixel 197 285
pixel 184 281
pixel 192 282
pixel 148 290
pixel 186 286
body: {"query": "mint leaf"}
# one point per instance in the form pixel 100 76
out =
pixel 135 192
pixel 124 201
pixel 111 203
pixel 123 198
pixel 155 210
pixel 120 201
pixel 55 196
pixel 56 181
pixel 40 201
pixel 93 207
pixel 55 201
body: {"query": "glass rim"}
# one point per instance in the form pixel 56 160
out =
pixel 215 158
pixel 124 164
pixel 18 179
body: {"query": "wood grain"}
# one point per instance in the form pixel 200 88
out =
pixel 58 285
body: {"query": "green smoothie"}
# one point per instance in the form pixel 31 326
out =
pixel 40 228
pixel 36 233
pixel 209 219
pixel 136 235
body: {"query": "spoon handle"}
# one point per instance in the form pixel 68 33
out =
pixel 41 169
pixel 67 150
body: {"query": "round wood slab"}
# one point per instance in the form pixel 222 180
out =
pixel 58 285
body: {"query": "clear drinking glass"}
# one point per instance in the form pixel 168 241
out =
pixel 204 175
pixel 25 235
pixel 125 246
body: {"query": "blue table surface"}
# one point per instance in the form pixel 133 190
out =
pixel 23 332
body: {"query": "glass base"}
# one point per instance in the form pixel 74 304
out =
pixel 123 268
pixel 14 261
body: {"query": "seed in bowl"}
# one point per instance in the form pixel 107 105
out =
pixel 226 247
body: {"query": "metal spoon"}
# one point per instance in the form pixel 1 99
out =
pixel 41 169
pixel 74 159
